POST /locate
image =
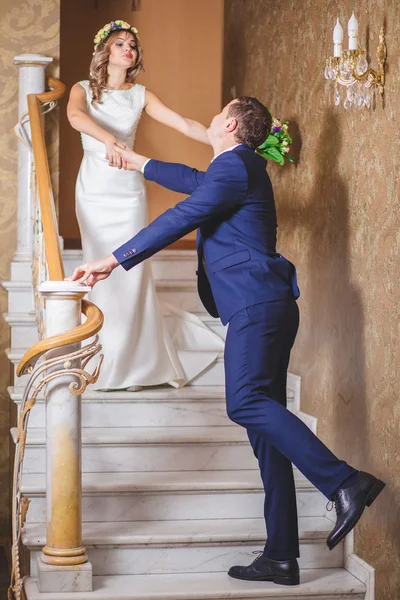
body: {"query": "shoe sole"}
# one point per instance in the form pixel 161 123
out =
pixel 278 580
pixel 369 499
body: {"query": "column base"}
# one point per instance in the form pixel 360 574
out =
pixel 74 578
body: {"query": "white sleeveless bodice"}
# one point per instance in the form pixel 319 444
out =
pixel 119 113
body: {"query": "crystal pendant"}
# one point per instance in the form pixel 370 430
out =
pixel 361 65
pixel 346 103
pixel 326 73
pixel 359 101
pixel 359 98
pixel 367 98
pixel 337 96
pixel 345 70
pixel 350 94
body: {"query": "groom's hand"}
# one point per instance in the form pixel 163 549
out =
pixel 92 272
pixel 131 161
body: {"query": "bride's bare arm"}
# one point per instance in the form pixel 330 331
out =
pixel 80 120
pixel 158 111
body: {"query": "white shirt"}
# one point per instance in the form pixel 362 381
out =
pixel 213 158
pixel 227 150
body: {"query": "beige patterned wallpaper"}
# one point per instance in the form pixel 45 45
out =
pixel 25 27
pixel 338 209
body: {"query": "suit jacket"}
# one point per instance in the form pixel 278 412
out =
pixel 232 204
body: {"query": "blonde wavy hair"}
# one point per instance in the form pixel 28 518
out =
pixel 98 78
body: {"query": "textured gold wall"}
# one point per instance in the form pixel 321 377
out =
pixel 25 27
pixel 338 210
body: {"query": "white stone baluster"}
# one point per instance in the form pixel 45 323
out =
pixel 31 81
pixel 63 566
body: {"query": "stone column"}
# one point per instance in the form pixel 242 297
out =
pixel 31 81
pixel 63 565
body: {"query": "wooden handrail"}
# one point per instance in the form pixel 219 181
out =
pixel 93 324
pixel 46 199
pixel 94 316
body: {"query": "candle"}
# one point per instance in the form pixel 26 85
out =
pixel 337 39
pixel 353 32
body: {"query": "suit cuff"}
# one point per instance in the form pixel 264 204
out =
pixel 144 166
pixel 125 257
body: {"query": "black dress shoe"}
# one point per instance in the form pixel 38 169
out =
pixel 284 572
pixel 350 503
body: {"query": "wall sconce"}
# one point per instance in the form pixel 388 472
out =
pixel 349 68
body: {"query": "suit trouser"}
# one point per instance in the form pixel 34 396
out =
pixel 258 345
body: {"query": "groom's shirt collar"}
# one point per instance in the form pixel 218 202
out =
pixel 227 150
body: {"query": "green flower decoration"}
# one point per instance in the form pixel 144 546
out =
pixel 277 145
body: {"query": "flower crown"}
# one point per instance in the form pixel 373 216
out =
pixel 277 144
pixel 105 31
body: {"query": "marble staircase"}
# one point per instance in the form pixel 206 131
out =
pixel 172 496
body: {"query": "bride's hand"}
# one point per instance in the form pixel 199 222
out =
pixel 114 160
pixel 131 161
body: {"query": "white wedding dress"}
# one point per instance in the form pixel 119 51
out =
pixel 141 347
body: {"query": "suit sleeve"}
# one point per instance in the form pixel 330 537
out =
pixel 221 193
pixel 174 176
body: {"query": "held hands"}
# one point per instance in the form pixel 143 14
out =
pixel 92 272
pixel 130 160
pixel 114 160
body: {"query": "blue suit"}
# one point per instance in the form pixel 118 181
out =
pixel 244 281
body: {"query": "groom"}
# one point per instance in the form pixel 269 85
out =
pixel 248 284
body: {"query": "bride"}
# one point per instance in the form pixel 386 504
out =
pixel 141 346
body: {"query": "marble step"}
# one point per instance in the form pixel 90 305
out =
pixel 181 293
pixel 214 324
pixel 178 292
pixel 201 406
pixel 165 264
pixel 24 329
pixel 151 407
pixel 140 449
pixel 315 584
pixel 154 547
pixel 20 296
pixel 172 495
pixel 213 375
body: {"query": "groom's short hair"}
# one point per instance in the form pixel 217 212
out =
pixel 254 121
